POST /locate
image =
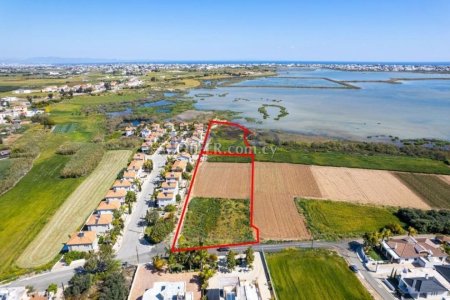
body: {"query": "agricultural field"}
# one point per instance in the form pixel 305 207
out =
pixel 74 211
pixel 313 274
pixel 276 187
pixel 215 221
pixel 220 180
pixel 65 128
pixel 365 186
pixel 434 190
pixel 336 159
pixel 333 220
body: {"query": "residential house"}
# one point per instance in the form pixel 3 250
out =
pixel 170 187
pixel 145 132
pixel 108 206
pixel 168 291
pixel 122 184
pixel 83 241
pixel 146 146
pixel 129 131
pixel 136 166
pixel 169 125
pixel 183 126
pixel 174 176
pixel 155 127
pixel 116 195
pixel 163 199
pixel 179 166
pixel 139 156
pixel 129 175
pixel 100 223
pixel 173 148
pixel 443 239
pixel 409 249
pixel 422 287
pixel 184 156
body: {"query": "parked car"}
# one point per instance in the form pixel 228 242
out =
pixel 354 268
pixel 223 249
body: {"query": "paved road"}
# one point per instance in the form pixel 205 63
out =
pixel 133 243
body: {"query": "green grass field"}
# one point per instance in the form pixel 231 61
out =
pixel 4 165
pixel 433 190
pixel 71 215
pixel 313 274
pixel 380 162
pixel 333 219
pixel 65 128
pixel 213 221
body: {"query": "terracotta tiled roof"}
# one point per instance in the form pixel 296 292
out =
pixel 109 205
pixel 173 175
pixel 163 196
pixel 116 194
pixel 121 183
pixel 179 165
pixel 103 219
pixel 82 238
pixel 409 247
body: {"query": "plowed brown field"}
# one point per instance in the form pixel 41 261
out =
pixel 445 178
pixel 365 186
pixel 276 186
pixel 223 180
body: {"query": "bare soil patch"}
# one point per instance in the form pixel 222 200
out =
pixel 223 180
pixel 365 186
pixel 445 178
pixel 276 187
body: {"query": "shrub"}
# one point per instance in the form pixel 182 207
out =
pixel 79 284
pixel 68 148
pixel 69 257
pixel 162 228
pixel 83 161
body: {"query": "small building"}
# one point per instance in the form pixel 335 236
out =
pixel 155 127
pixel 145 132
pixel 136 166
pixel 184 156
pixel 122 184
pixel 116 195
pixel 100 223
pixel 179 166
pixel 108 206
pixel 422 288
pixel 163 199
pixel 83 241
pixel 170 187
pixel 169 125
pixel 146 147
pixel 129 175
pixel 173 148
pixel 139 156
pixel 168 291
pixel 183 126
pixel 129 131
pixel 173 176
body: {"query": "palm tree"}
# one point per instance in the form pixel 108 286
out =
pixel 137 182
pixel 412 231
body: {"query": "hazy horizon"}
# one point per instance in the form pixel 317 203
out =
pixel 350 31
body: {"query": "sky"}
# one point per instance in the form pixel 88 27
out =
pixel 285 30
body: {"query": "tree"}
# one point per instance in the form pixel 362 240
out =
pixel 129 199
pixel 52 288
pixel 148 165
pixel 79 284
pixel 395 228
pixel 189 167
pixel 137 182
pixel 249 256
pixel 231 260
pixel 178 198
pixel 385 234
pixel 50 96
pixel 152 217
pixel 114 287
pixel 205 275
pixel 412 231
pixel 158 263
pixel 171 261
pixel 371 239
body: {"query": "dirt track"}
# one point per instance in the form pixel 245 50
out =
pixel 365 186
pixel 223 180
pixel 276 186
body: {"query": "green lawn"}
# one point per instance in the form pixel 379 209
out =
pixel 4 165
pixel 336 159
pixel 333 219
pixel 433 190
pixel 213 221
pixel 313 274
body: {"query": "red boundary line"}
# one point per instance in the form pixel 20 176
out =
pixel 252 186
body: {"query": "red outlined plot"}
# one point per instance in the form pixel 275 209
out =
pixel 204 153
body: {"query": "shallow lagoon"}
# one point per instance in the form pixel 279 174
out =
pixel 411 109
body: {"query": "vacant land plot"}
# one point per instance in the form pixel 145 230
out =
pixel 276 187
pixel 313 274
pixel 431 188
pixel 331 219
pixel 365 186
pixel 71 215
pixel 65 128
pixel 223 180
pixel 215 221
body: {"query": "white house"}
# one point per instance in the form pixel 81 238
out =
pixel 184 156
pixel 170 187
pixel 164 199
pixel 116 195
pixel 145 132
pixel 168 291
pixel 173 148
pixel 136 166
pixel 129 131
pixel 409 249
pixel 83 241
pixel 173 176
pixel 100 223
pixel 108 206
pixel 423 287
pixel 122 184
